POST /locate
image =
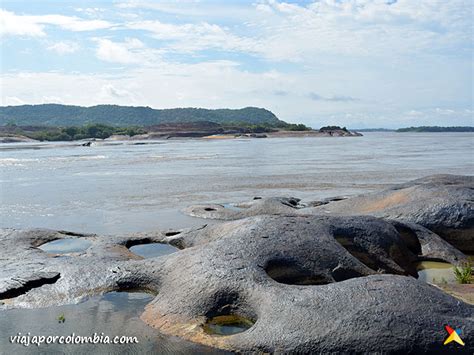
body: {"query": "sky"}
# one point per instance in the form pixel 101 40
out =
pixel 354 63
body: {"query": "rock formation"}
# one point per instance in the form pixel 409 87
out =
pixel 306 283
pixel 444 204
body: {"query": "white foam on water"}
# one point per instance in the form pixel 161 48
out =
pixel 16 162
pixel 78 157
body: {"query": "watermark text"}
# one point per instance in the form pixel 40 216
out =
pixel 38 340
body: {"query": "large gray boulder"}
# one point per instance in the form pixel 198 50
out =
pixel 309 283
pixel 442 203
pixel 30 277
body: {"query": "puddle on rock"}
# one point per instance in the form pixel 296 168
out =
pixel 227 325
pixel 65 246
pixel 231 206
pixel 153 250
pixel 113 314
pixel 436 272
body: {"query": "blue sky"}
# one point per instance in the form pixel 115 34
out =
pixel 356 63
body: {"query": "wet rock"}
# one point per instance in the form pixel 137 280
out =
pixel 258 206
pixel 298 283
pixel 442 203
pixel 426 244
pixel 20 285
pixel 31 277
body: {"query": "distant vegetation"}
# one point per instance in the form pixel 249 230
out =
pixel 332 128
pixel 436 129
pixel 102 131
pixel 266 127
pixel 52 122
pixel 463 274
pixel 71 133
pixel 373 130
pixel 296 127
pixel 67 115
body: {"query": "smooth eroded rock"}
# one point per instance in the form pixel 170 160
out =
pixel 279 283
pixel 442 203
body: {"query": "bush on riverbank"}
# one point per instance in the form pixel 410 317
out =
pixel 96 130
pixel 332 128
pixel 463 274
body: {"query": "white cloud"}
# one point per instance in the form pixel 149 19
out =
pixel 13 101
pixel 73 23
pixel 34 26
pixel 52 99
pixel 335 98
pixel 111 94
pixel 437 116
pixel 194 36
pixel 445 111
pixel 367 28
pixel 280 31
pixel 364 61
pixel 168 85
pixel 64 47
pixel 90 11
pixel 193 8
pixel 219 84
pixel 131 51
pixel 11 24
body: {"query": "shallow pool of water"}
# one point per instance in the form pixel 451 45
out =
pixel 435 272
pixel 233 207
pixel 227 325
pixel 153 250
pixel 65 246
pixel 113 314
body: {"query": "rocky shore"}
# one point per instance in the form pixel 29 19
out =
pixel 336 275
pixel 16 139
pixel 206 130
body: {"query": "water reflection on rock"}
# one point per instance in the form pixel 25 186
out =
pixel 113 314
pixel 153 250
pixel 435 272
pixel 65 246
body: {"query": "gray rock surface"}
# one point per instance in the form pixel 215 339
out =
pixel 258 206
pixel 35 278
pixel 315 277
pixel 442 203
pixel 426 244
pixel 311 283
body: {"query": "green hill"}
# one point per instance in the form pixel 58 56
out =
pixel 67 115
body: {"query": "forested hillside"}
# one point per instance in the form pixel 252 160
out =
pixel 67 115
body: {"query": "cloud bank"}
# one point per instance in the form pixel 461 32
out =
pixel 354 62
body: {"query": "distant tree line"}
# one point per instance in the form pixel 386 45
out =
pixel 96 130
pixel 332 128
pixel 103 131
pixel 266 127
pixel 437 129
